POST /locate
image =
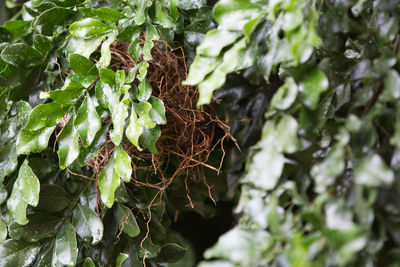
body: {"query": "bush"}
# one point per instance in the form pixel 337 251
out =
pixel 289 110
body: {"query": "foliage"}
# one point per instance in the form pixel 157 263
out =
pixel 76 99
pixel 309 91
pixel 320 182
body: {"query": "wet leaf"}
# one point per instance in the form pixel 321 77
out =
pixel 87 224
pixel 65 247
pixel 91 151
pixel 17 253
pixel 135 50
pixel 21 55
pixel 88 27
pixel 119 115
pixel 215 41
pixel 68 143
pixel 149 138
pixel 148 45
pixel 87 121
pixel 106 14
pixel 105 58
pixel 122 164
pixel 108 181
pixel 134 129
pixel 53 198
pixel 45 115
pixel 162 16
pixel 126 220
pixel 157 112
pixel 312 86
pixel 140 15
pixel 33 141
pixel 41 225
pixel 81 65
pixel 25 191
pixel 107 76
pixel 200 67
pixel 51 18
pixel 84 47
pixel 145 90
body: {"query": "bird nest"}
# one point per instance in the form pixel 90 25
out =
pixel 186 140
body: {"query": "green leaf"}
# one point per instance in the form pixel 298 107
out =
pixel 45 115
pixel 65 248
pixel 286 95
pixel 142 67
pixel 41 43
pixel 17 253
pixel 162 16
pixel 148 45
pixel 145 90
pixel 151 32
pixel 171 252
pixel 68 144
pixel 49 19
pixel 122 164
pixel 53 198
pixel 215 41
pixel 81 65
pixel 17 28
pixel 130 33
pixel 88 263
pixel 3 231
pixel 25 191
pixel 126 220
pixel 372 171
pixel 21 55
pixel 71 90
pixel 140 15
pixel 134 129
pixel 120 259
pixel 313 84
pixel 8 160
pixel 87 121
pixel 149 138
pixel 109 15
pixel 41 225
pixel 90 152
pixel 33 141
pixel 107 76
pixel 105 58
pixel 84 47
pixel 234 14
pixel 87 224
pixel 108 181
pixel 120 78
pixel 88 27
pixel 200 67
pixel 119 115
pixel 157 112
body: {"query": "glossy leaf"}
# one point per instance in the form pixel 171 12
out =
pixel 88 27
pixel 87 121
pixel 45 115
pixel 312 86
pixel 140 15
pixel 25 191
pixel 68 144
pixel 81 65
pixel 108 181
pixel 3 231
pixel 200 67
pixel 126 220
pixel 84 47
pixel 122 257
pixel 53 198
pixel 40 226
pixel 88 263
pixel 215 41
pixel 51 18
pixel 65 247
pixel 144 90
pixel 21 55
pixel 106 14
pixel 149 138
pixel 33 141
pixel 105 58
pixel 122 164
pixel 87 224
pixel 157 112
pixel 17 253
pixel 120 113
